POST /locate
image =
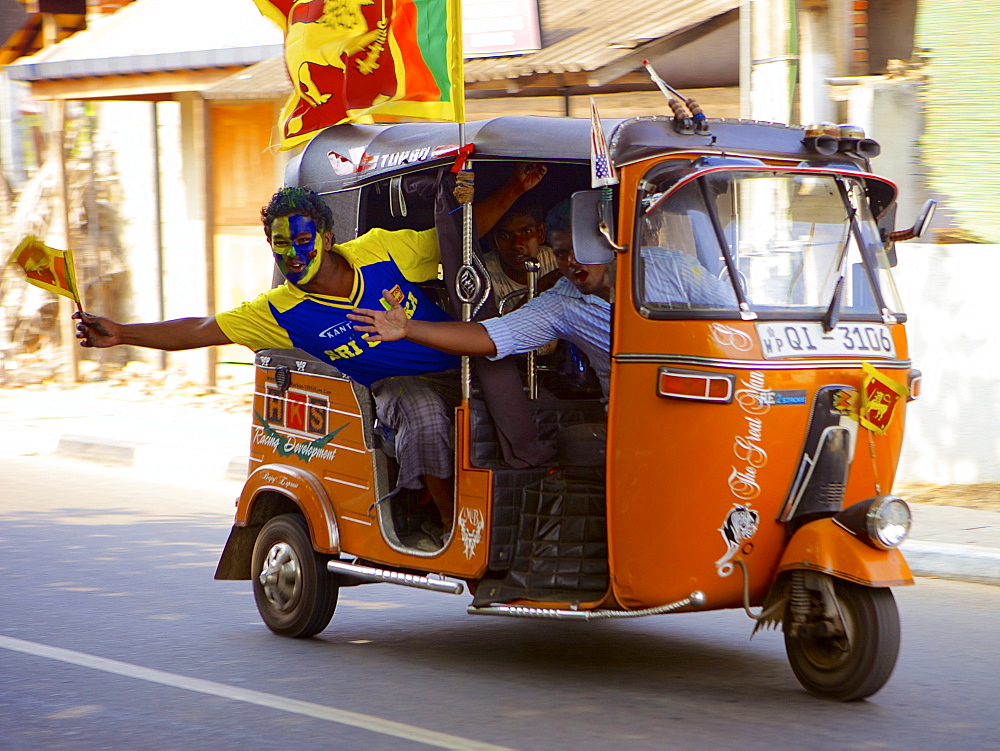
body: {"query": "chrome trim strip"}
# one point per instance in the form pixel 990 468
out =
pixel 345 482
pixel 349 448
pixel 694 600
pixel 345 518
pixel 716 362
pixel 356 415
pixel 388 576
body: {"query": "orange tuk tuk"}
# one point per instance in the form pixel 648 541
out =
pixel 751 441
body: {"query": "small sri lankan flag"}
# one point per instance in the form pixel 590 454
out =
pixel 396 293
pixel 46 267
pixel 879 397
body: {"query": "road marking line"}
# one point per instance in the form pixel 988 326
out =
pixel 234 693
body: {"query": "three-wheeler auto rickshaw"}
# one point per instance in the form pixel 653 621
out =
pixel 751 442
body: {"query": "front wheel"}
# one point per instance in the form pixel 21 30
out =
pixel 851 667
pixel 295 594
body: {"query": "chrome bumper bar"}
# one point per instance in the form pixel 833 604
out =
pixel 370 574
pixel 694 600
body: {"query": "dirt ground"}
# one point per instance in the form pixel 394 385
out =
pixel 984 496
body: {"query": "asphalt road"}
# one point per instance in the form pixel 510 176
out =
pixel 113 634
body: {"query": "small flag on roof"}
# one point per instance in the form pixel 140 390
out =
pixel 47 267
pixel 602 171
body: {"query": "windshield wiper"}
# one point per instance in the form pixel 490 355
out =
pixel 720 236
pixel 832 316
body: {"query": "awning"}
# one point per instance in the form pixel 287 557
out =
pixel 151 37
pixel 592 43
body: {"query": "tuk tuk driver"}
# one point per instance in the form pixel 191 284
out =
pixel 415 387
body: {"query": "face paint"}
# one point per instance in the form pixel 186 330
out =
pixel 297 247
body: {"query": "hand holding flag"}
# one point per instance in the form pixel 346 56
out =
pixel 47 267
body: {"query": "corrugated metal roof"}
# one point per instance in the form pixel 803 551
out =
pixel 265 80
pixel 590 35
pixel 158 35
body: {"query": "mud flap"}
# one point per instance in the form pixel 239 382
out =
pixel 236 556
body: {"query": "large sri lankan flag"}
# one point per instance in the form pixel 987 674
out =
pixel 366 60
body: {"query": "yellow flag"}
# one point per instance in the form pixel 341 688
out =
pixel 47 267
pixel 879 397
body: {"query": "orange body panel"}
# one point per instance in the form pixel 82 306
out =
pixel 307 444
pixel 693 485
pixel 305 490
pixel 826 547
pixel 678 467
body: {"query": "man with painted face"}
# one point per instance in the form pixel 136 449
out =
pixel 415 387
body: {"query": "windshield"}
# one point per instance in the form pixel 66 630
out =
pixel 788 238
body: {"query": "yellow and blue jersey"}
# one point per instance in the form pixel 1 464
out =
pixel 286 316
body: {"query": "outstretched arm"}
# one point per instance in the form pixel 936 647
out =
pixel 489 209
pixel 181 333
pixel 454 337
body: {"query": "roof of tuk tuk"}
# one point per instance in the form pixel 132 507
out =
pixel 347 156
pixel 344 156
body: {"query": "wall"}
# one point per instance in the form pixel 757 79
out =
pixel 962 139
pixel 947 292
pixel 890 111
pixel 128 126
pixel 717 102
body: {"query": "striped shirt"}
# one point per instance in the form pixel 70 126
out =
pixel 676 279
pixel 562 312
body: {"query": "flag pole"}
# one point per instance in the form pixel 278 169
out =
pixel 71 279
pixel 466 372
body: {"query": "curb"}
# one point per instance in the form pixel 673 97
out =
pixel 103 450
pixel 948 560
pixel 118 453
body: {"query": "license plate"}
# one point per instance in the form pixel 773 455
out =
pixel 860 340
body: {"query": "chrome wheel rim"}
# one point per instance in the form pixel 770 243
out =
pixel 281 577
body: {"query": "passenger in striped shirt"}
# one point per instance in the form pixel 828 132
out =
pixel 577 309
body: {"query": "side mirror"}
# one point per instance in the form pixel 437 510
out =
pixel 919 227
pixel 593 227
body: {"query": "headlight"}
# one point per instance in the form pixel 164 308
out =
pixel 882 522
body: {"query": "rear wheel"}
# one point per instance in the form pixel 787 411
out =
pixel 852 667
pixel 295 594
